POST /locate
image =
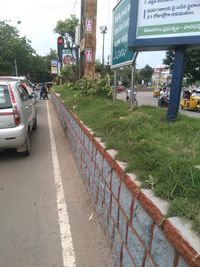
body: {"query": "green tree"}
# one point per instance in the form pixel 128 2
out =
pixel 101 70
pixel 40 71
pixel 145 74
pixel 14 49
pixel 66 29
pixel 41 67
pixel 124 75
pixel 69 73
pixel 192 63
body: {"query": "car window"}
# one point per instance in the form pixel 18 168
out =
pixel 23 93
pixel 28 83
pixel 197 93
pixel 5 101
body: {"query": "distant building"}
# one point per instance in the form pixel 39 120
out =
pixel 161 75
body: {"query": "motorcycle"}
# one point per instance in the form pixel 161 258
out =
pixel 163 102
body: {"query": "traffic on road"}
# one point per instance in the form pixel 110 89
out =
pixel 147 98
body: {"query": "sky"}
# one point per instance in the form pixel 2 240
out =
pixel 39 17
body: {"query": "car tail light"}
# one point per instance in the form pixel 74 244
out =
pixel 16 113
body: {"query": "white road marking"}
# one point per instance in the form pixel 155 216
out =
pixel 65 232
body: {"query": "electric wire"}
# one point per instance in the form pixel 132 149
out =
pixel 75 6
pixel 45 10
pixel 39 10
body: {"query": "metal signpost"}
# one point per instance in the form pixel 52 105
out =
pixel 161 25
pixel 121 55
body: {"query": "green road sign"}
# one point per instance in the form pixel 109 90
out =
pixel 121 55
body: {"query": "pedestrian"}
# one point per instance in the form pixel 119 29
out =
pixel 127 95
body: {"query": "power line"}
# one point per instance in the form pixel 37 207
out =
pixel 32 11
pixel 74 6
pixel 47 10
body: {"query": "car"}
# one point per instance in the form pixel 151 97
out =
pixel 18 116
pixel 120 89
pixel 23 79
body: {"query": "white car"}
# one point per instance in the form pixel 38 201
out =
pixel 18 116
pixel 22 79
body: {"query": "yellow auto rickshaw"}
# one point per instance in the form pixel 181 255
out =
pixel 156 92
pixel 191 100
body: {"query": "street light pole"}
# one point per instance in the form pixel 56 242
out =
pixel 16 72
pixel 103 31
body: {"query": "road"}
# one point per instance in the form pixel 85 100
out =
pixel 46 219
pixel 146 98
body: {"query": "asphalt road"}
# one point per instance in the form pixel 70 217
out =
pixel 34 229
pixel 146 98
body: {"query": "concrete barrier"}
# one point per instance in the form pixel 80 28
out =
pixel 133 219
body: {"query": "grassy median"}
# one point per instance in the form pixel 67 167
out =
pixel 163 155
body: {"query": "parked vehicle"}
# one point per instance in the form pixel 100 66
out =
pixel 120 89
pixel 156 92
pixel 18 116
pixel 191 100
pixel 22 79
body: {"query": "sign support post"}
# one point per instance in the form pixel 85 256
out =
pixel 115 85
pixel 121 55
pixel 177 77
pixel 133 79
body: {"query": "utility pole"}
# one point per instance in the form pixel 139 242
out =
pixel 88 38
pixel 16 71
pixel 103 31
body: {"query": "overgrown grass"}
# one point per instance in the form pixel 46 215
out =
pixel 163 155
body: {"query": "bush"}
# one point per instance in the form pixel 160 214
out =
pixel 69 73
pixel 99 87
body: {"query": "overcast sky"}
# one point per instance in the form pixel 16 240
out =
pixel 39 17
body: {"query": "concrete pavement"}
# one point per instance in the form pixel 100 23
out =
pixel 29 223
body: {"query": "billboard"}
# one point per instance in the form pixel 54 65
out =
pixel 121 55
pixel 89 55
pixel 54 66
pixel 69 56
pixel 163 24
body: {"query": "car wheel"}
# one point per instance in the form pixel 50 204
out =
pixel 35 124
pixel 25 150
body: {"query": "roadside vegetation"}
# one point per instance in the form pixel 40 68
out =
pixel 163 155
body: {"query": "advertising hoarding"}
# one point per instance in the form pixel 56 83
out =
pixel 69 56
pixel 164 23
pixel 121 55
pixel 88 25
pixel 89 55
pixel 54 66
